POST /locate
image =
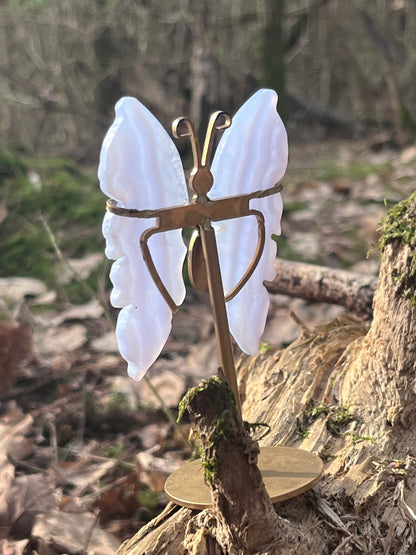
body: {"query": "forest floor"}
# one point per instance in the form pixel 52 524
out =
pixel 84 448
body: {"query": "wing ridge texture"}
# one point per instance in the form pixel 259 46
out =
pixel 252 155
pixel 140 168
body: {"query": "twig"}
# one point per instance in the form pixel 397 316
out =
pixel 90 533
pixel 343 544
pixel 53 437
pixel 167 412
pixel 83 412
pixel 89 290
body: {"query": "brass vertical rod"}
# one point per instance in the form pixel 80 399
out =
pixel 216 293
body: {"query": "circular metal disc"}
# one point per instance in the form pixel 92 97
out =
pixel 287 472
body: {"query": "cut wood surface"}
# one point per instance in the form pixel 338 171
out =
pixel 346 391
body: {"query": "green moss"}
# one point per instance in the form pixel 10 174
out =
pixel 11 164
pixel 191 394
pixel 149 499
pixel 356 438
pixel 399 226
pixel 265 347
pixel 119 401
pixel 113 451
pixel 296 206
pixel 356 171
pixel 210 466
pixel 57 191
pixel 337 417
pixel 220 431
pixel 359 171
pixel 325 457
pixel 330 170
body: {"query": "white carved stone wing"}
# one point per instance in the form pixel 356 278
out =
pixel 140 168
pixel 252 155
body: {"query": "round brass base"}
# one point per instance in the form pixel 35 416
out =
pixel 286 472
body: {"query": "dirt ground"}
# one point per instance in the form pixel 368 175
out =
pixel 84 448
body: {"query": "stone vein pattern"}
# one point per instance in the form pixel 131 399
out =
pixel 252 155
pixel 140 168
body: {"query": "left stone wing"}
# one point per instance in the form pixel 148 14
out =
pixel 140 168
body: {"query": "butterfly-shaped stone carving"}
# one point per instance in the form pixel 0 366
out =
pixel 141 170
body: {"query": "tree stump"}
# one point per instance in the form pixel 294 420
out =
pixel 347 391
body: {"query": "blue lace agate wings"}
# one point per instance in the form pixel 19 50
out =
pixel 140 168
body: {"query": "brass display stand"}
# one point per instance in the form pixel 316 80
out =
pixel 286 471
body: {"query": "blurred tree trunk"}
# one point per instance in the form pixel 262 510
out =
pixel 346 391
pixel 109 87
pixel 203 77
pixel 273 71
pixel 401 116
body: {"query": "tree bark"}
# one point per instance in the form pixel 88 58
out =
pixel 244 514
pixel 383 375
pixel 242 519
pixel 325 285
pixel 347 391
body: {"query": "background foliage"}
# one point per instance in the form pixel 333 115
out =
pixel 63 64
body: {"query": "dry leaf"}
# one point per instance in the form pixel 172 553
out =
pixel 15 349
pixel 91 310
pixel 75 533
pixel 81 267
pixel 121 501
pixel 170 386
pixel 15 289
pixel 23 496
pixel 13 426
pixel 85 475
pixel 155 470
pixel 154 434
pixel 27 496
pixel 8 547
pixel 62 339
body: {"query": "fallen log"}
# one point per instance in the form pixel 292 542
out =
pixel 320 284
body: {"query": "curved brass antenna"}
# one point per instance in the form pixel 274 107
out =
pixel 201 179
pixel 184 127
pixel 213 125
